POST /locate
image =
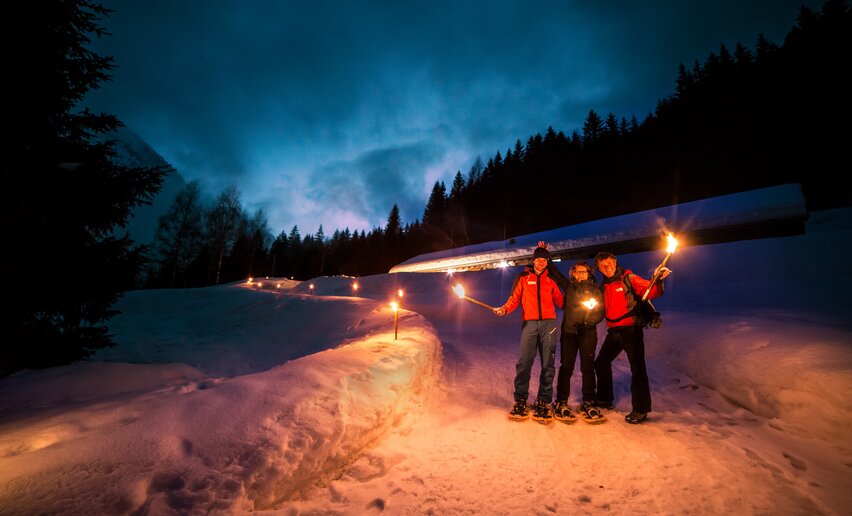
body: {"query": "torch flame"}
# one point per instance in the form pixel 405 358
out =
pixel 672 243
pixel 590 303
pixel 459 290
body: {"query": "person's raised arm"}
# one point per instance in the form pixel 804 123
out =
pixel 640 285
pixel 554 271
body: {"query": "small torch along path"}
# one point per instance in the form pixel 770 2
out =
pixel 395 308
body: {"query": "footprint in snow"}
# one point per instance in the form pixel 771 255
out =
pixel 796 462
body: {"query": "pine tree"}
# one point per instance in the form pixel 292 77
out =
pixel 455 207
pixel 519 150
pixel 295 237
pixel 458 186
pixel 64 201
pixel 279 254
pixel 742 56
pixel 475 172
pixel 434 211
pixel 322 249
pixel 611 128
pixel 394 226
pixel 393 236
pixel 592 128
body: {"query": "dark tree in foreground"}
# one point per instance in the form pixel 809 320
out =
pixel 65 258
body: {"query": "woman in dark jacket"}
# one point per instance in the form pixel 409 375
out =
pixel 584 309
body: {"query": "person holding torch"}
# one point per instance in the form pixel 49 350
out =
pixel 625 332
pixel 584 309
pixel 538 295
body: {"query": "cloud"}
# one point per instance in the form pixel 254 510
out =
pixel 331 112
pixel 374 181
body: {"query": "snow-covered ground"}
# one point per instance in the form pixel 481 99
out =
pixel 286 400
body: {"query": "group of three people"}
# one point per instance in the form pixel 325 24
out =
pixel 539 290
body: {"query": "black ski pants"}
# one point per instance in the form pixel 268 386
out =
pixel 631 340
pixel 583 342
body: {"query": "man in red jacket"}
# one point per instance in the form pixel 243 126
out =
pixel 624 332
pixel 538 296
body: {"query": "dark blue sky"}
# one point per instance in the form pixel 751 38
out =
pixel 330 112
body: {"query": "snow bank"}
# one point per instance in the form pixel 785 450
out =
pixel 175 438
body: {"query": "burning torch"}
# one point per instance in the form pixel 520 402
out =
pixel 670 249
pixel 459 290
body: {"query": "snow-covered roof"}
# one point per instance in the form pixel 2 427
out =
pixel 751 214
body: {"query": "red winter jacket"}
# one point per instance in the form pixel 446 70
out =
pixel 538 295
pixel 615 297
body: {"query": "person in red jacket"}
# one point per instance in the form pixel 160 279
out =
pixel 538 295
pixel 624 332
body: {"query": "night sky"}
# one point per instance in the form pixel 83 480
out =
pixel 330 112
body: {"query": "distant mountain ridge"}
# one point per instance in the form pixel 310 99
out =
pixel 132 151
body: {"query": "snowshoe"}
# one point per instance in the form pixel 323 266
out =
pixel 634 418
pixel 561 412
pixel 591 414
pixel 541 412
pixel 520 411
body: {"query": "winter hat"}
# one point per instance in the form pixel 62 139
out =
pixel 541 252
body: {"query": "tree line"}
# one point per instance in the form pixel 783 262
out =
pixel 739 120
